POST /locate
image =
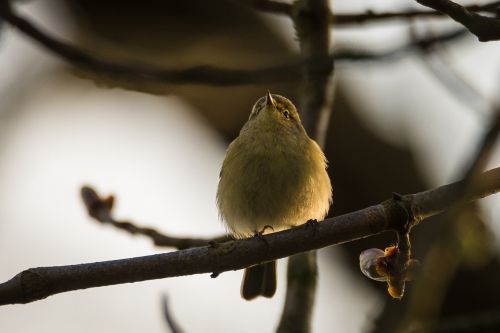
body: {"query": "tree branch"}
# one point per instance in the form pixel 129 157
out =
pixel 101 210
pixel 415 44
pixel 276 7
pixel 311 21
pixel 38 283
pixel 349 19
pixel 485 28
pixel 436 61
pixel 169 319
pixel 203 74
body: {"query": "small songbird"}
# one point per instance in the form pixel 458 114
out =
pixel 273 177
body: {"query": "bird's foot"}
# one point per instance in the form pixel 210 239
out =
pixel 263 230
pixel 260 234
pixel 313 224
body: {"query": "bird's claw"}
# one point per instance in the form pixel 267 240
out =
pixel 312 223
pixel 260 234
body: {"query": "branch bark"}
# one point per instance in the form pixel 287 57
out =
pixel 38 283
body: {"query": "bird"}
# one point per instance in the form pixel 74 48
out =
pixel 273 177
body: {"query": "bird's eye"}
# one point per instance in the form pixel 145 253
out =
pixel 286 114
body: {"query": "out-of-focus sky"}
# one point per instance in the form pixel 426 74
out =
pixel 162 161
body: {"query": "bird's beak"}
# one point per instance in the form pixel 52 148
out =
pixel 269 99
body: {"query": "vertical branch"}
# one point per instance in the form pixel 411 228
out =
pixel 311 19
pixel 312 26
pixel 300 293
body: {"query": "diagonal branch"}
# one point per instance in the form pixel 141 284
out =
pixel 485 28
pixel 101 210
pixel 38 283
pixel 283 8
pixel 349 19
pixel 203 74
pixel 435 59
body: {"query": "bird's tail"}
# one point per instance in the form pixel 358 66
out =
pixel 259 280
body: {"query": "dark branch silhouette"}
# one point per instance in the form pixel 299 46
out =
pixel 369 17
pixel 276 7
pixel 485 28
pixel 204 74
pixel 38 283
pixel 101 210
pixel 311 21
pixel 201 74
pixel 435 60
pixel 169 319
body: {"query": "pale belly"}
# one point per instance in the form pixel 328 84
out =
pixel 280 192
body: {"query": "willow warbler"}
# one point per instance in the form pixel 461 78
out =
pixel 273 177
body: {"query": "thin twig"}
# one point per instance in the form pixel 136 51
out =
pixel 101 209
pixel 276 7
pixel 370 16
pixel 399 51
pixel 450 78
pixel 201 74
pixel 38 283
pixel 204 74
pixel 169 319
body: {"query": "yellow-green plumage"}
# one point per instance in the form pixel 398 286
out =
pixel 273 173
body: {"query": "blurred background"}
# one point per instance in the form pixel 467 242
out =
pixel 403 124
